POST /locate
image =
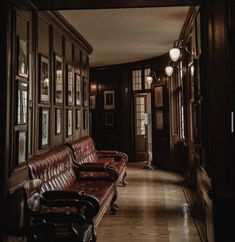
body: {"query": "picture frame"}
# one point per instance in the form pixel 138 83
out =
pixel 77 89
pixel 69 122
pixel 109 99
pixel 69 81
pixel 58 75
pixel 44 80
pixel 22 102
pixel 30 131
pixel 85 91
pixel 159 115
pixel 92 102
pixel 78 119
pixel 22 57
pixel 85 119
pixel 57 121
pixel 21 147
pixel 44 127
pixel 158 96
pixel 109 119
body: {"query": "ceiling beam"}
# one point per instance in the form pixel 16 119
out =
pixel 108 4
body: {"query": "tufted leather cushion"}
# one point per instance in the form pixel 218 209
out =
pixel 54 168
pixel 84 150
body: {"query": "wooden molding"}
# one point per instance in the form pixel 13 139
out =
pixel 108 4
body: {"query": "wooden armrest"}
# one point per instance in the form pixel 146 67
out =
pixel 107 151
pixel 87 200
pixel 63 202
pixel 45 229
pixel 118 156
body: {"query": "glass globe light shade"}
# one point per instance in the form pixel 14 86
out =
pixel 169 70
pixel 174 54
pixel 149 80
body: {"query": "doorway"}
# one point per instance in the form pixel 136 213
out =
pixel 142 127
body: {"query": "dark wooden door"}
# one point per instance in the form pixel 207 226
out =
pixel 141 139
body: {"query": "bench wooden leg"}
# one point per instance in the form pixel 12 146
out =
pixel 93 239
pixel 113 205
pixel 124 181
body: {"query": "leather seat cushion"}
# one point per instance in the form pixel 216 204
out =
pixel 100 189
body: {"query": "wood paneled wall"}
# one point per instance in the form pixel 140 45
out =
pixel 121 135
pixel 27 38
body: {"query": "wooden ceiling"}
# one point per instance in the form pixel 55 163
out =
pixel 107 4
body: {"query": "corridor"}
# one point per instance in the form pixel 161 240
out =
pixel 151 208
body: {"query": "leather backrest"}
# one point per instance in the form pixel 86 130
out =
pixel 54 168
pixel 84 150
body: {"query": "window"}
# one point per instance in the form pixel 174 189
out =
pixel 140 110
pixel 146 73
pixel 136 80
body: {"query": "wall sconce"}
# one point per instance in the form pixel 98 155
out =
pixel 169 70
pixel 175 52
pixel 93 88
pixel 152 76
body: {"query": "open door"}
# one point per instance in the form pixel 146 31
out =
pixel 141 134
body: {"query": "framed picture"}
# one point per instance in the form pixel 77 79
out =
pixel 22 102
pixel 78 119
pixel 30 77
pixel 58 75
pixel 109 99
pixel 109 118
pixel 158 94
pixel 69 122
pixel 78 89
pixel 44 127
pixel 85 119
pixel 44 79
pixel 22 57
pixel 159 120
pixel 58 121
pixel 30 131
pixel 85 91
pixel 69 77
pixel 92 102
pixel 21 141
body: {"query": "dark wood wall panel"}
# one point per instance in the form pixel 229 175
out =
pixel 43 36
pixel 120 135
pixel 68 52
pixel 57 43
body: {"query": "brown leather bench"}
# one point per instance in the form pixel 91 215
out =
pixel 86 157
pixel 72 218
pixel 57 172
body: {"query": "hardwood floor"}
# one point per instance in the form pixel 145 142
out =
pixel 152 208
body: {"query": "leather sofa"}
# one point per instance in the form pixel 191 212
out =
pixel 87 157
pixel 58 173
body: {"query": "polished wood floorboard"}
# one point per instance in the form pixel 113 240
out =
pixel 152 207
